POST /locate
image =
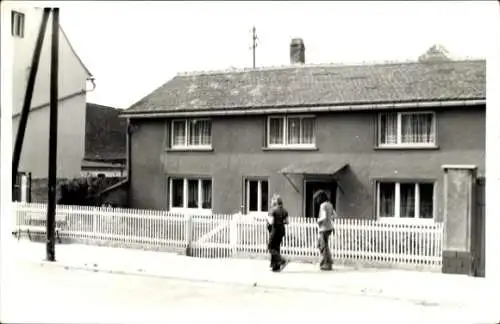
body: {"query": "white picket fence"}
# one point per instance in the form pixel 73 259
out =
pixel 367 242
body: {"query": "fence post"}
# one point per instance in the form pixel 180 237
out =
pixel 15 227
pixel 188 233
pixel 233 234
pixel 94 225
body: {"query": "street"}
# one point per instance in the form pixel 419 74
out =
pixel 35 293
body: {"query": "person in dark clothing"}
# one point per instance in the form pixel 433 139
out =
pixel 278 218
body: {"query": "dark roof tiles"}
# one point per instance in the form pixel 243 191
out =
pixel 318 85
pixel 105 134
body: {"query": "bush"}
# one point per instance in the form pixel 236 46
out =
pixel 84 192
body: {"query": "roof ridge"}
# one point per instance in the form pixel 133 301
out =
pixel 314 65
pixel 96 105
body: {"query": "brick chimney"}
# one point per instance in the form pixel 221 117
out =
pixel 297 51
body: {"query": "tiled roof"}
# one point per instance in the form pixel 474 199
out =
pixel 318 85
pixel 105 134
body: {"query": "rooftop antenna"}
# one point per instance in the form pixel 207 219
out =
pixel 254 44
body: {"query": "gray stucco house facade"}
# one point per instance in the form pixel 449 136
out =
pixel 374 136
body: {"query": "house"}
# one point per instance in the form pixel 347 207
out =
pixel 105 142
pixel 105 149
pixel 74 79
pixel 375 136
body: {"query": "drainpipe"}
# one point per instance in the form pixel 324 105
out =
pixel 129 158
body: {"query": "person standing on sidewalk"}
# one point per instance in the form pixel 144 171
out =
pixel 278 218
pixel 325 230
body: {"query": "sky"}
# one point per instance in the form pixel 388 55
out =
pixel 133 47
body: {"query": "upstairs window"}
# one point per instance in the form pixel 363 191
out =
pixel 191 133
pixel 407 129
pixel 291 131
pixel 405 200
pixel 17 24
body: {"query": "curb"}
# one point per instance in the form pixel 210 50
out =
pixel 359 292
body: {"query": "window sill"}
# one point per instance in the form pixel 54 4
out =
pixel 190 149
pixel 290 148
pixel 405 221
pixel 191 211
pixel 406 147
pixel 257 215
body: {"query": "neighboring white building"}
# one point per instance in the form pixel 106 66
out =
pixel 74 80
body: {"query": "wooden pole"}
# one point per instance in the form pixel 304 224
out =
pixel 54 98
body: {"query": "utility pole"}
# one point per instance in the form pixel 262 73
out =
pixel 254 44
pixel 54 98
pixel 23 121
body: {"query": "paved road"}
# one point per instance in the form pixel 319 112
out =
pixel 35 293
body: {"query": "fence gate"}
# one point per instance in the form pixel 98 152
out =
pixel 22 188
pixel 479 242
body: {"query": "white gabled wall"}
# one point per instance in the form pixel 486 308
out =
pixel 72 79
pixel 70 141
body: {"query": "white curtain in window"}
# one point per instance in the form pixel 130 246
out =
pixel 200 132
pixel 276 126
pixel 388 128
pixel 407 200
pixel 308 131
pixel 207 194
pixel 179 133
pixel 192 193
pixel 293 131
pixel 206 132
pixel 387 199
pixel 417 128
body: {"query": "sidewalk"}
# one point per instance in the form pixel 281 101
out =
pixel 420 287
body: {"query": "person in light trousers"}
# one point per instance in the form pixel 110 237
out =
pixel 325 230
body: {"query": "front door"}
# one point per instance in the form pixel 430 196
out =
pixel 312 187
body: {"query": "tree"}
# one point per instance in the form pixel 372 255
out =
pixel 435 53
pixel 83 192
pixel 74 192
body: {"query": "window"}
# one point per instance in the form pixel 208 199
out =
pixel 177 193
pixel 405 200
pixel 190 193
pixel 407 129
pixel 191 133
pixel 17 24
pixel 257 195
pixel 291 131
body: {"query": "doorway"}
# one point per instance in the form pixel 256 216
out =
pixel 311 188
pixel 479 234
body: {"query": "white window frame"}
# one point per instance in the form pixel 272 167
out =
pixel 285 131
pixel 399 130
pixel 16 29
pixel 397 202
pixel 259 212
pixel 185 194
pixel 186 144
